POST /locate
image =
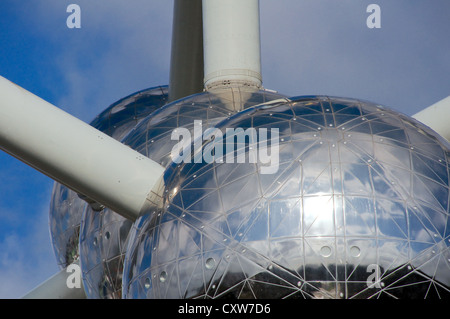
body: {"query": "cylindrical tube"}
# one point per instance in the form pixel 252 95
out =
pixel 186 63
pixel 231 37
pixel 437 117
pixel 61 285
pixel 74 153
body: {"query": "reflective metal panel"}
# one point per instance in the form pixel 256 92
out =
pixel 66 207
pixel 152 137
pixel 358 208
pixel 103 236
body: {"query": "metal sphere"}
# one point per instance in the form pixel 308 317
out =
pixel 358 208
pixel 103 233
pixel 103 238
pixel 103 241
pixel 66 207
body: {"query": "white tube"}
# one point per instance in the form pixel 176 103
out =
pixel 231 39
pixel 437 117
pixel 74 153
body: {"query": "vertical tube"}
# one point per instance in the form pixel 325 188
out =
pixel 231 37
pixel 186 63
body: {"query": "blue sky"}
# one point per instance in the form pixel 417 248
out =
pixel 308 47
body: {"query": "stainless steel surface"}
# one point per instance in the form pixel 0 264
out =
pixel 66 208
pixel 103 237
pixel 357 209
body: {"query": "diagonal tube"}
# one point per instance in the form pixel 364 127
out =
pixel 56 287
pixel 74 153
pixel 437 117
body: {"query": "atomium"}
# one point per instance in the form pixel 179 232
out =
pixel 103 235
pixel 358 208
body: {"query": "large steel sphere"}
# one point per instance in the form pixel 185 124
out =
pixel 103 237
pixel 358 208
pixel 66 207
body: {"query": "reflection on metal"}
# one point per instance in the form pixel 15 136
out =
pixel 152 137
pixel 361 196
pixel 103 238
pixel 357 208
pixel 66 206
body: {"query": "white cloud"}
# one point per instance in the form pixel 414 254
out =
pixel 308 47
pixel 121 48
pixel 325 47
pixel 26 255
